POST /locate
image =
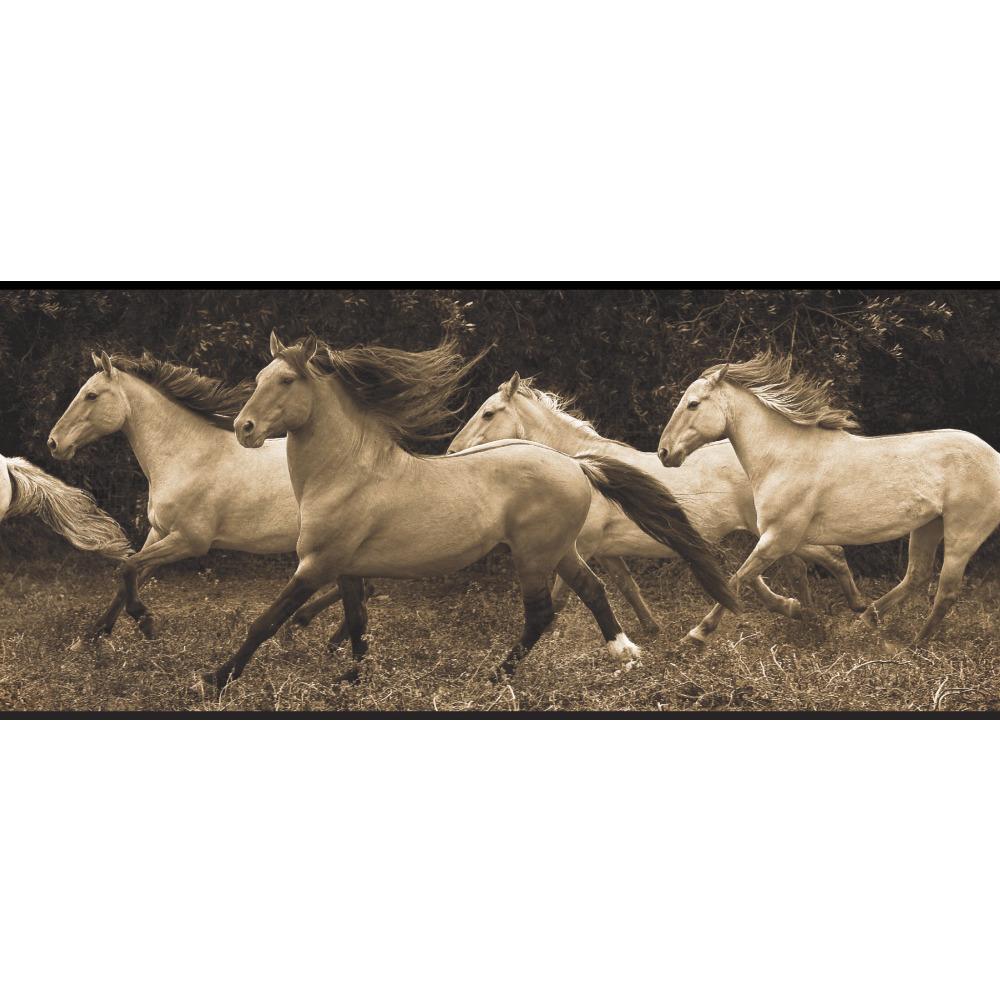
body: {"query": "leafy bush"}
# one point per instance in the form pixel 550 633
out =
pixel 908 360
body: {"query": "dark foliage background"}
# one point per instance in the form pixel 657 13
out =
pixel 909 360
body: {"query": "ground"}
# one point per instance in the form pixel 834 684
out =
pixel 433 644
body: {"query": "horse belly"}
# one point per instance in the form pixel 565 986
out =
pixel 865 517
pixel 418 545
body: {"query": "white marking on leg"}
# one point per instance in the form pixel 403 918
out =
pixel 623 649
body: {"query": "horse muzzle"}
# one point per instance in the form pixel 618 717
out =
pixel 62 452
pixel 249 435
pixel 671 459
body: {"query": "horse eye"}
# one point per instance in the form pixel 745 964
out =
pixel 91 395
pixel 288 380
pixel 693 405
pixel 488 415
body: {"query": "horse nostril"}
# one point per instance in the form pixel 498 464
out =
pixel 247 426
pixel 52 444
pixel 664 454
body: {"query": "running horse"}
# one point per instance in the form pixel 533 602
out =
pixel 370 507
pixel 27 489
pixel 205 491
pixel 712 488
pixel 816 481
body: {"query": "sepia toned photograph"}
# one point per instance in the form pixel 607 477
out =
pixel 713 501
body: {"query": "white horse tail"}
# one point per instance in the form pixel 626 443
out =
pixel 71 512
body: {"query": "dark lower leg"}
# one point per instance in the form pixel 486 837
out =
pixel 106 623
pixel 304 616
pixel 131 581
pixel 538 616
pixel 290 600
pixel 355 618
pixel 590 590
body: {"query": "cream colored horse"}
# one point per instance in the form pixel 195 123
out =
pixel 370 507
pixel 712 489
pixel 816 482
pixel 26 489
pixel 205 491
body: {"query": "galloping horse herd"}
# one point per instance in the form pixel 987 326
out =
pixel 317 457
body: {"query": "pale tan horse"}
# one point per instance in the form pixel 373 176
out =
pixel 370 507
pixel 815 481
pixel 26 489
pixel 712 489
pixel 205 491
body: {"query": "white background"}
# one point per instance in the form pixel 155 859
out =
pixel 529 141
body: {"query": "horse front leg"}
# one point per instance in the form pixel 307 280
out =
pixel 106 623
pixel 833 560
pixel 304 616
pixel 160 552
pixel 355 623
pixel 770 547
pixel 295 594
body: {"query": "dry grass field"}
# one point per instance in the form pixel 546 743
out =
pixel 434 641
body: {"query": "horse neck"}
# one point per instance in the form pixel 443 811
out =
pixel 339 444
pixel 161 432
pixel 761 438
pixel 565 434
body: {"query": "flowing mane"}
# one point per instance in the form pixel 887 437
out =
pixel 209 397
pixel 564 406
pixel 799 398
pixel 407 391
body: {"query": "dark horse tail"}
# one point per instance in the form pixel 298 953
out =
pixel 653 507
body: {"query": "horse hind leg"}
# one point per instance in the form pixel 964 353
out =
pixel 623 580
pixel 538 616
pixel 919 569
pixel 960 544
pixel 561 590
pixel 591 591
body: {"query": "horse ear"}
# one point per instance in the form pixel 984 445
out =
pixel 718 376
pixel 309 348
pixel 96 358
pixel 106 364
pixel 276 345
pixel 510 388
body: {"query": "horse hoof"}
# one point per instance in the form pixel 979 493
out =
pixel 793 609
pixel 869 617
pixel 301 621
pixel 360 651
pixel 623 649
pixel 695 638
pixel 350 676
pixel 215 681
pixel 651 629
pixel 147 626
